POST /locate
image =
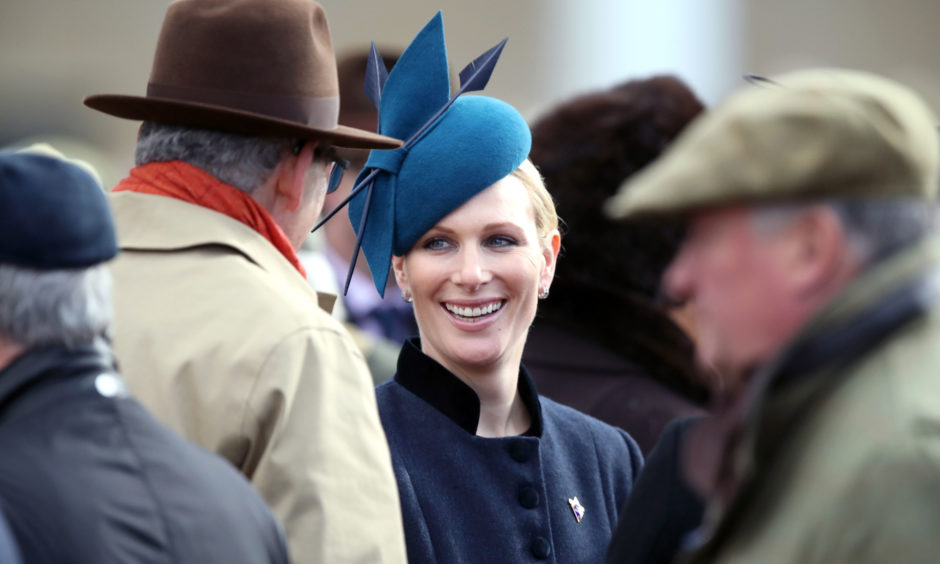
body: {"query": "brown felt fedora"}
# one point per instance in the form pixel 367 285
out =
pixel 258 67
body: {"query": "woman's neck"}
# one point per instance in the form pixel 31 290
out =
pixel 502 411
pixel 503 418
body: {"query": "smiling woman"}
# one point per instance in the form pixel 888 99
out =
pixel 487 470
pixel 475 279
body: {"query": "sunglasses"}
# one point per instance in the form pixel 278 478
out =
pixel 328 153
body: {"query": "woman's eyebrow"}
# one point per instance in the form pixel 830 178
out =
pixel 488 227
pixel 501 225
pixel 439 229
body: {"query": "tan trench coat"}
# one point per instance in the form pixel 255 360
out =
pixel 841 465
pixel 223 340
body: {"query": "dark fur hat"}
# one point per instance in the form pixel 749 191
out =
pixel 585 149
pixel 607 282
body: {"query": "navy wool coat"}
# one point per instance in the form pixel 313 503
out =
pixel 551 495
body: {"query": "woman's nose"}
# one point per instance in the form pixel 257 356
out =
pixel 472 272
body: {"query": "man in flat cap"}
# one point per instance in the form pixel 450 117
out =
pixel 87 474
pixel 813 263
pixel 217 329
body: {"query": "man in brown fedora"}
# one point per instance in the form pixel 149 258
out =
pixel 217 330
pixel 814 265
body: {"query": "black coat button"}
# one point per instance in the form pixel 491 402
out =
pixel 521 451
pixel 540 548
pixel 528 497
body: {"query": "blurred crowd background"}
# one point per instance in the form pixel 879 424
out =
pixel 54 53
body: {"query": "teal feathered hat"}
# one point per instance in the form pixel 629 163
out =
pixel 456 146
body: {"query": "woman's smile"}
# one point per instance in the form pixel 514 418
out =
pixel 474 313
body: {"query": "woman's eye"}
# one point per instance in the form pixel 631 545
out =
pixel 501 241
pixel 435 244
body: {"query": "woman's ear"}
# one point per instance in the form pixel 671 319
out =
pixel 550 253
pixel 398 269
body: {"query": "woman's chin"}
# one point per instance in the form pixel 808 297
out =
pixel 477 357
pixel 477 354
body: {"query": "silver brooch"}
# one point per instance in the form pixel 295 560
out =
pixel 576 508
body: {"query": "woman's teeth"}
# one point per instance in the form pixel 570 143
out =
pixel 473 312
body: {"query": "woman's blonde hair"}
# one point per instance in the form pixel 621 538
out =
pixel 546 218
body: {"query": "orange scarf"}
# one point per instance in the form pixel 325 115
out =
pixel 183 181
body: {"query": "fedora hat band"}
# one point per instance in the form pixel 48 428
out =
pixel 318 113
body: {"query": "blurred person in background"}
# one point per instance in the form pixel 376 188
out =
pixel 379 325
pixel 87 474
pixel 605 343
pixel 218 330
pixel 488 471
pixel 812 257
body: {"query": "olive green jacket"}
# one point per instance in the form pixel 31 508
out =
pixel 223 340
pixel 840 454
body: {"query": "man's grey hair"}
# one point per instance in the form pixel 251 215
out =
pixel 55 307
pixel 238 160
pixel 876 228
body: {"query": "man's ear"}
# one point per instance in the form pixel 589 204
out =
pixel 550 254
pixel 292 172
pixel 398 269
pixel 819 252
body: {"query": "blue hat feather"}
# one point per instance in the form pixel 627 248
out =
pixel 457 146
pixel 407 104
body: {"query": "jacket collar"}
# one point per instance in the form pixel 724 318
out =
pixel 427 379
pixel 868 313
pixel 189 183
pixel 39 366
pixel 147 222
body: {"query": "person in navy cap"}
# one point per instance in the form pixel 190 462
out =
pixel 487 470
pixel 87 474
